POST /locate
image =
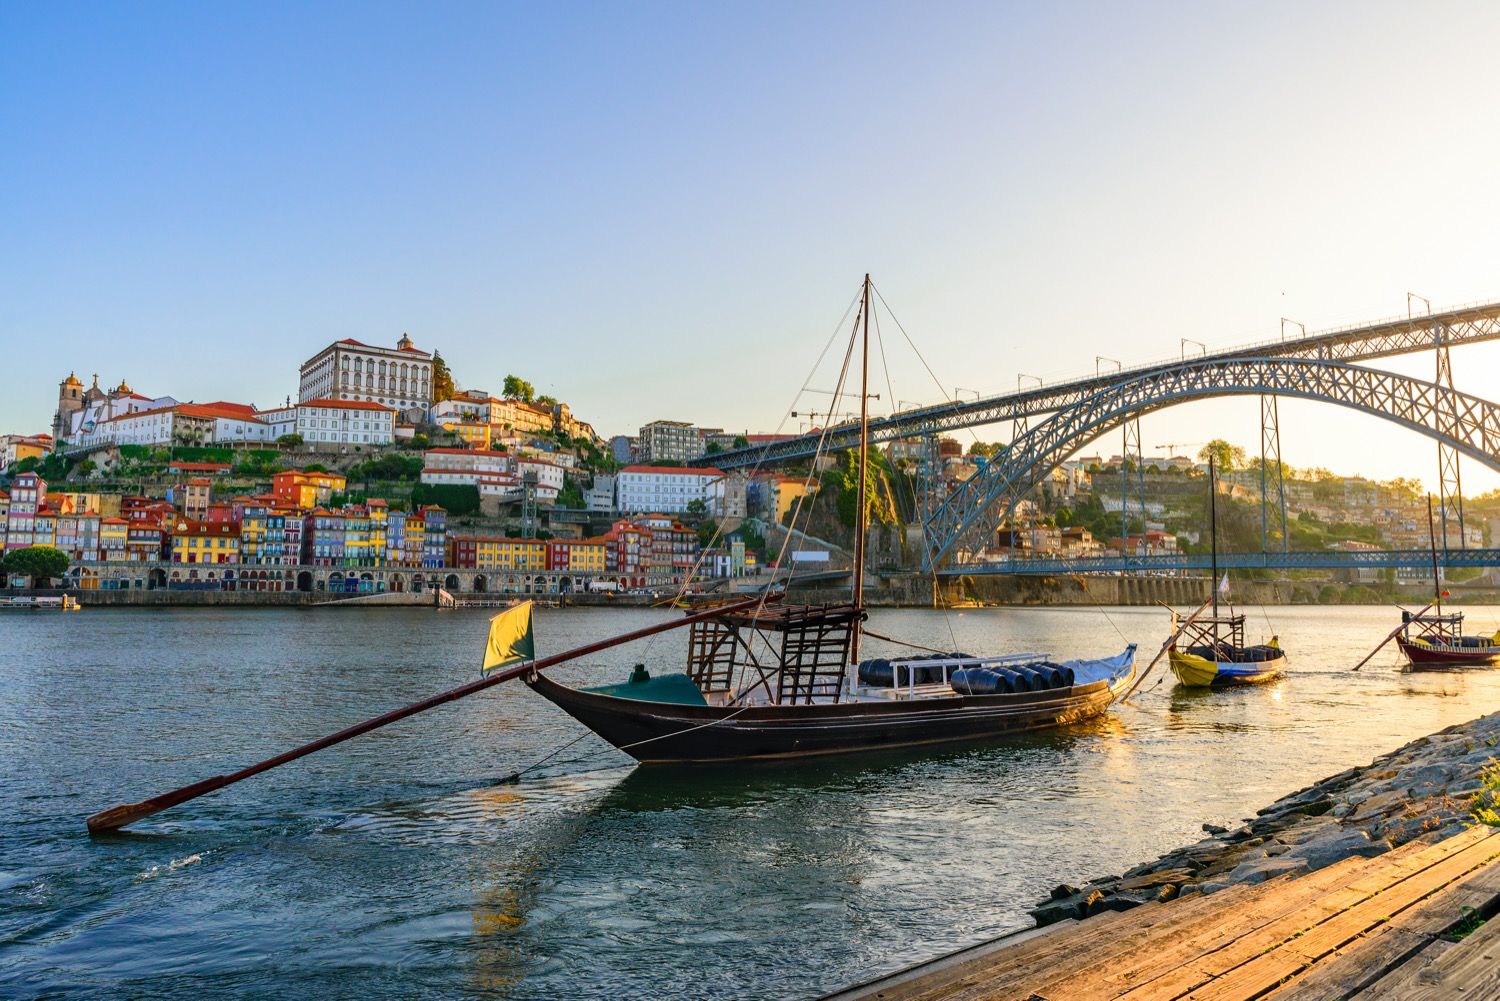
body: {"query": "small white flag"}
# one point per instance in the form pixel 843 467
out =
pixel 1224 584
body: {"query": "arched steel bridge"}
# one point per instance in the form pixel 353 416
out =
pixel 1472 324
pixel 1313 367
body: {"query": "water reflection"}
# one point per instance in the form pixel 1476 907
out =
pixel 396 866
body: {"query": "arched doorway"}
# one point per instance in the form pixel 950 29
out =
pixel 418 583
pixel 480 583
pixel 305 581
pixel 451 582
pixel 335 581
pixel 157 579
pixel 398 583
pixel 366 583
pixel 565 584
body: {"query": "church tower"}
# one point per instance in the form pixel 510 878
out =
pixel 69 402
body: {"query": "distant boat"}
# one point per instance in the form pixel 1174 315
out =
pixel 1211 652
pixel 1433 641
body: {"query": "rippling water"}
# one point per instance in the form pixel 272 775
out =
pixel 395 866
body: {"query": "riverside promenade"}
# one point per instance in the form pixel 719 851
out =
pixel 1375 883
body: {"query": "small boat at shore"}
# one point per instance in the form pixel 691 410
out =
pixel 1434 641
pixel 66 603
pixel 1211 652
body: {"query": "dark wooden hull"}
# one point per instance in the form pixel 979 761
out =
pixel 1425 657
pixel 665 732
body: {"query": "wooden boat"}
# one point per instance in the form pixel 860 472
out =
pixel 1211 652
pixel 779 680
pixel 1434 641
pixel 733 704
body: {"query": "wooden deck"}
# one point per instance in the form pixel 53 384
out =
pixel 1361 930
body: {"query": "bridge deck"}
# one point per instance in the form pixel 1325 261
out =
pixel 1363 929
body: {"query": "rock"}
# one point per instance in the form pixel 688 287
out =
pixel 1260 870
pixel 1169 892
pixel 1118 902
pixel 1057 910
pixel 1211 886
pixel 1336 846
pixel 1378 806
pixel 1215 829
pixel 1424 775
pixel 1063 891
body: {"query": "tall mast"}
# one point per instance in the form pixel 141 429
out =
pixel 861 502
pixel 1213 537
pixel 1437 582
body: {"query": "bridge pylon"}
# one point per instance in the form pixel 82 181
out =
pixel 1450 483
pixel 1272 487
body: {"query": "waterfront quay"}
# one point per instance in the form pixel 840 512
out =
pixel 1374 883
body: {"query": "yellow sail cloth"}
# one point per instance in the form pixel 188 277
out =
pixel 510 639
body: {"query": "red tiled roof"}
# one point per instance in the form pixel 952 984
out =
pixel 347 404
pixel 686 471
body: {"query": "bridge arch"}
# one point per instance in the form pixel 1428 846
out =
pixel 1467 423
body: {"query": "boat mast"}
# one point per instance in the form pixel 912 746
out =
pixel 861 502
pixel 1213 540
pixel 1437 583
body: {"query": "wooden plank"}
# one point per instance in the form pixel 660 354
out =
pixel 1013 974
pixel 1392 945
pixel 1398 983
pixel 1269 902
pixel 1372 876
pixel 935 970
pixel 1470 969
pixel 1274 968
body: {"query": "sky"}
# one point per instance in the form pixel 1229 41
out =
pixel 661 211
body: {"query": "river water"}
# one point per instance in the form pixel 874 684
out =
pixel 395 866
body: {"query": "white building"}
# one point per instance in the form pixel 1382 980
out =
pixel 345 422
pixel 183 424
pixel 668 489
pixel 399 378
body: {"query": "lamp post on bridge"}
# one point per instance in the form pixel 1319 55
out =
pixel 1185 341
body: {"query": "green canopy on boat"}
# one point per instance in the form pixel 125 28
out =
pixel 677 689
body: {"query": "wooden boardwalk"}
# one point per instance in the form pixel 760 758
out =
pixel 1361 930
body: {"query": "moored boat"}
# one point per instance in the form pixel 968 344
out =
pixel 1211 652
pixel 731 704
pixel 780 680
pixel 1434 641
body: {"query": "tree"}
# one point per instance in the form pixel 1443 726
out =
pixel 697 508
pixel 419 441
pixel 713 448
pixel 517 388
pixel 315 467
pixel 548 400
pixel 87 467
pixel 707 529
pixel 740 441
pixel 1404 488
pixel 1225 456
pixel 442 379
pixel 293 440
pixel 982 450
pixel 40 563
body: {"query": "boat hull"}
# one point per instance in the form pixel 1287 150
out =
pixel 1199 672
pixel 1432 656
pixel 664 732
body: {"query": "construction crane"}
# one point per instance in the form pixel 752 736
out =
pixel 1173 446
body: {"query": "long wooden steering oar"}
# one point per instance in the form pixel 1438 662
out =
pixel 118 816
pixel 1164 647
pixel 1394 633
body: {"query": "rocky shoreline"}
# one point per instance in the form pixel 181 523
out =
pixel 1428 790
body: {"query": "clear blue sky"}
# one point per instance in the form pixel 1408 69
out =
pixel 660 211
